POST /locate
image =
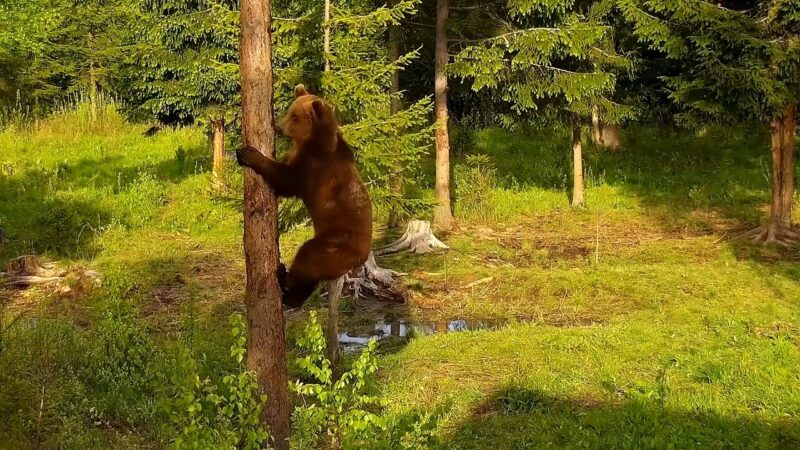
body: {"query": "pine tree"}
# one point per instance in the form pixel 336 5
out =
pixel 358 84
pixel 556 56
pixel 741 61
pixel 442 214
pixel 266 342
pixel 52 50
pixel 186 67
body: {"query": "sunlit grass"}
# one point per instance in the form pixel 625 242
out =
pixel 633 322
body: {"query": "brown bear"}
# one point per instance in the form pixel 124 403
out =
pixel 320 169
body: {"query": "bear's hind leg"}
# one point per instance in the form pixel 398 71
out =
pixel 317 260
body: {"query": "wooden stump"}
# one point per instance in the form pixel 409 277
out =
pixel 27 265
pixel 370 281
pixel 418 239
pixel 28 270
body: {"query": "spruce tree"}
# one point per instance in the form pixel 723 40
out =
pixel 388 143
pixel 186 66
pixel 53 50
pixel 740 62
pixel 556 57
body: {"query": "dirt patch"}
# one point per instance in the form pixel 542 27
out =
pixel 778 330
pixel 208 285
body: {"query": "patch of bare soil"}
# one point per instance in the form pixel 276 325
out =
pixel 210 285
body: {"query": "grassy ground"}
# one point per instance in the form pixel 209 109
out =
pixel 635 322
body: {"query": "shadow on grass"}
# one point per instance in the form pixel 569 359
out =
pixel 58 210
pixel 520 418
pixel 674 172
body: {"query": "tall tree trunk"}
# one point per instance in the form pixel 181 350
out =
pixel 266 345
pixel 597 130
pixel 783 143
pixel 442 215
pixel 577 164
pixel 218 127
pixel 92 92
pixel 326 37
pixel 394 108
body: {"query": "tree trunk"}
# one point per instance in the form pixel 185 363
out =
pixel 394 108
pixel 266 345
pixel 92 93
pixel 780 216
pixel 334 293
pixel 442 215
pixel 577 165
pixel 326 38
pixel 218 126
pixel 597 130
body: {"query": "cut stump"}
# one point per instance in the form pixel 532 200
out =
pixel 27 270
pixel 369 281
pixel 418 238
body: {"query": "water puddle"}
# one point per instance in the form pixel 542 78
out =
pixel 353 341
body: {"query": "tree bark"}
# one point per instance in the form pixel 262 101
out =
pixel 577 165
pixel 266 345
pixel 92 92
pixel 442 215
pixel 332 342
pixel 783 143
pixel 326 37
pixel 597 130
pixel 394 108
pixel 218 127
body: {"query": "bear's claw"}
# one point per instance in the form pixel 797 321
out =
pixel 244 155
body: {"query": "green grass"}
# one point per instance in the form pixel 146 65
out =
pixel 633 322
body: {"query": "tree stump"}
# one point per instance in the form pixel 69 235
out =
pixel 28 270
pixel 370 281
pixel 418 238
pixel 27 265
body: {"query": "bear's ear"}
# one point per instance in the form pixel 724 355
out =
pixel 300 91
pixel 318 109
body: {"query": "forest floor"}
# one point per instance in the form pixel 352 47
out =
pixel 636 321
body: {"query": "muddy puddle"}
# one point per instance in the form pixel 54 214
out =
pixel 352 341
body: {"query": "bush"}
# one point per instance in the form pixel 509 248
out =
pixel 340 413
pixel 214 416
pixel 122 369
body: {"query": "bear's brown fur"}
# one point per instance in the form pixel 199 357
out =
pixel 320 169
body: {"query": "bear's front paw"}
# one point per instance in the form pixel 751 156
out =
pixel 246 156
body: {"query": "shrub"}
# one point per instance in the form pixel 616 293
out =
pixel 340 413
pixel 210 416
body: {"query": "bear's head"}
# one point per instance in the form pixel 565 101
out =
pixel 308 117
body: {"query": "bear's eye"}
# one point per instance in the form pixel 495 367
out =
pixel 295 117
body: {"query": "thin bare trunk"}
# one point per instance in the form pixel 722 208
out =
pixel 442 215
pixel 782 131
pixel 326 38
pixel 266 345
pixel 597 130
pixel 577 165
pixel 788 163
pixel 93 92
pixel 394 108
pixel 218 126
pixel 334 293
